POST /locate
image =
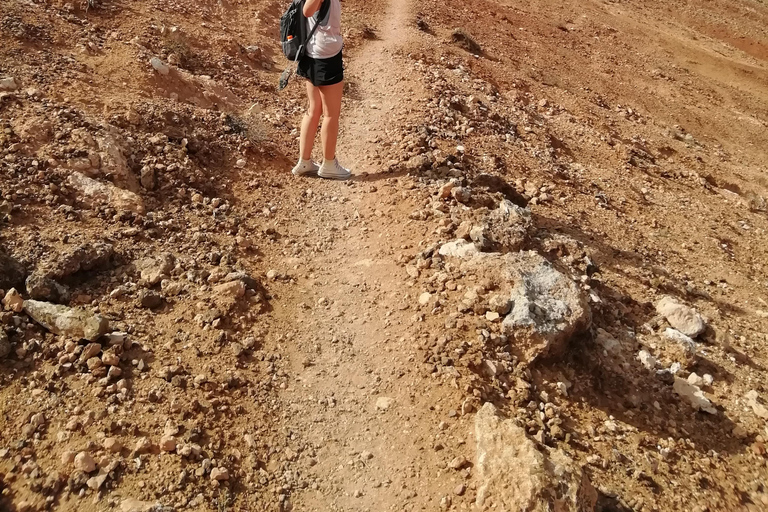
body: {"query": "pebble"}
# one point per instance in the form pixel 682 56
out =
pixel 445 190
pixel 84 462
pixel 68 457
pixel 646 359
pixel 461 194
pixel 383 403
pixel 219 474
pixel 8 84
pixel 159 66
pixel 686 320
pixel 168 443
pixel 458 462
pixel 424 298
pixel 112 445
pixel 110 359
pixel 143 445
pixel 696 380
pixel 13 301
pixel 150 299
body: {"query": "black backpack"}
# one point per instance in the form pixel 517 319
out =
pixel 293 28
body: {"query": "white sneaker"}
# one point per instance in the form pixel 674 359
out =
pixel 333 171
pixel 305 168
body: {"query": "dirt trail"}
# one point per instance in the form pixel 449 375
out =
pixel 355 404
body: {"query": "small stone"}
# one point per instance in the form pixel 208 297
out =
pixel 383 403
pixel 159 66
pixel 231 290
pixel 97 481
pixel 461 194
pixel 219 474
pixel 460 489
pixel 755 402
pixel 110 359
pixel 94 363
pixel 112 445
pixel 150 299
pixel 695 380
pixel 694 395
pixel 500 304
pixel 458 462
pixel 241 163
pixel 8 84
pixel 646 359
pixel 686 320
pixel 13 301
pixel 739 432
pixel 445 190
pixel 143 445
pixel 90 350
pixel 168 443
pixel 148 177
pixel 492 316
pixel 68 457
pixel 84 462
pixel 424 298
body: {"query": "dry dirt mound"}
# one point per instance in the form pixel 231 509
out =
pixel 545 287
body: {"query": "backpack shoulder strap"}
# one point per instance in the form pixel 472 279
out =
pixel 317 22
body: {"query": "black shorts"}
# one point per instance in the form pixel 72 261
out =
pixel 322 71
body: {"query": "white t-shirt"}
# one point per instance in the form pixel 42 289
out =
pixel 327 40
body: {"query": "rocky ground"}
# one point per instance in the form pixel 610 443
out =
pixel 545 288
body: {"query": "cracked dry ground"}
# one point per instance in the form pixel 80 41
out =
pixel 286 344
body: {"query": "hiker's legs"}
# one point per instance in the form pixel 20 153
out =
pixel 310 122
pixel 329 133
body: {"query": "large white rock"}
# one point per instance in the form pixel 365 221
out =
pixel 75 323
pixel 458 249
pixel 94 193
pixel 686 320
pixel 693 395
pixel 548 308
pixel 513 475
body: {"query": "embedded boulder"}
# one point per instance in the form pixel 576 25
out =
pixel 43 284
pixel 548 308
pixel 514 475
pixel 505 229
pixel 74 323
pixel 95 193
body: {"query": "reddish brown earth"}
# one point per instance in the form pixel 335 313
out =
pixel 636 131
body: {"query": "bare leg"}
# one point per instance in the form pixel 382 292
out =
pixel 329 133
pixel 310 122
